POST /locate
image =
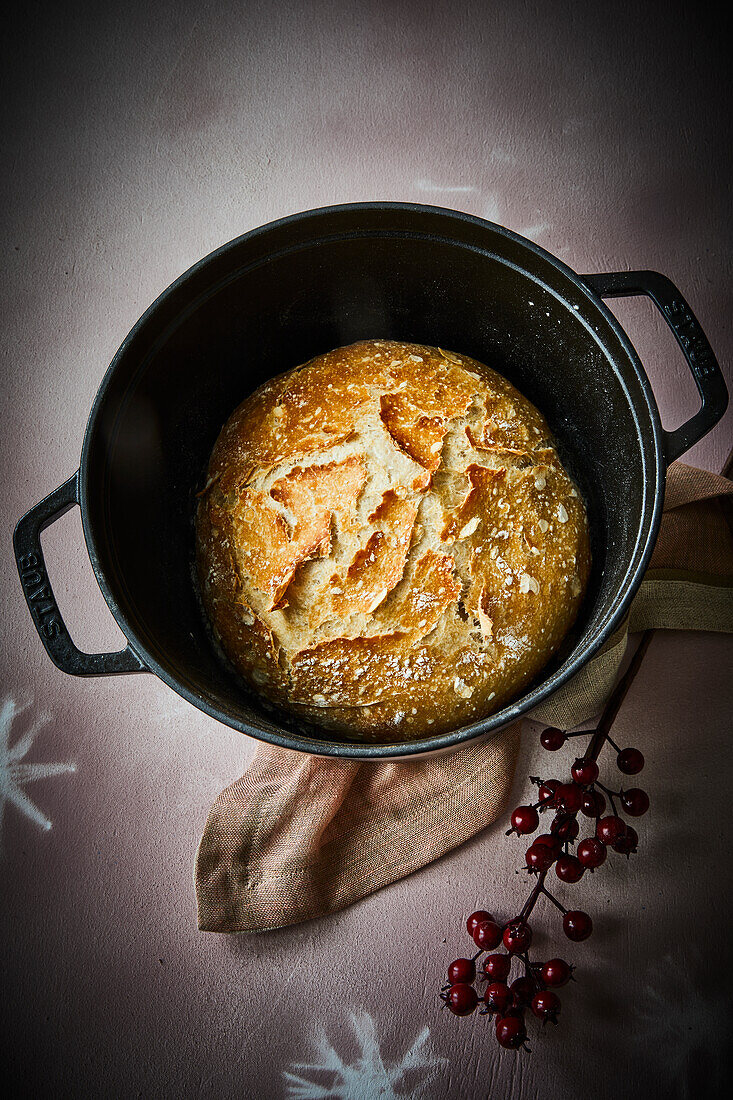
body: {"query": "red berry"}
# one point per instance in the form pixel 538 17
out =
pixel 591 852
pixel 556 972
pixel 551 841
pixel 577 925
pixel 517 938
pixel 524 989
pixel 510 1032
pixel 462 970
pixel 497 967
pixel 461 999
pixel 497 997
pixel 635 801
pixel 546 1005
pixel 565 827
pixel 552 739
pixel 476 919
pixel 525 819
pixel 487 936
pixel 627 844
pixel 539 857
pixel 630 761
pixel 593 804
pixel 570 797
pixel 547 793
pixel 569 869
pixel 610 829
pixel 584 772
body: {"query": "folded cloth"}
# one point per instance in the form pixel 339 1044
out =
pixel 299 836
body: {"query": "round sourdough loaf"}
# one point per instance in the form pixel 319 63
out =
pixel 387 544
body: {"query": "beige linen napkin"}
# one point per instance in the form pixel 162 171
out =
pixel 299 836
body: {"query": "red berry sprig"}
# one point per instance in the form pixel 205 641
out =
pixel 534 988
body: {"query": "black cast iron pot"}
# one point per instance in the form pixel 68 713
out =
pixel 299 286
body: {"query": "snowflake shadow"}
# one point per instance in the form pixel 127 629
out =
pixel 15 773
pixel 329 1077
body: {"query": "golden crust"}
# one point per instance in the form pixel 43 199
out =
pixel 388 545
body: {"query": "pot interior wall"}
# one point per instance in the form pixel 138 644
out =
pixel 269 303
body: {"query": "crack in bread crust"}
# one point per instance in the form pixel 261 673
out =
pixel 387 543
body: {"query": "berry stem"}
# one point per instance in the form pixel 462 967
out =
pixel 527 964
pixel 531 900
pixel 554 900
pixel 611 794
pixel 618 695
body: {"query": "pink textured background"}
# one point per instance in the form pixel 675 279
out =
pixel 135 142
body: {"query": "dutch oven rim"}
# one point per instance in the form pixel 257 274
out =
pixel 136 656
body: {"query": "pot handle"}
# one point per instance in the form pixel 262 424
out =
pixel 41 600
pixel 691 339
